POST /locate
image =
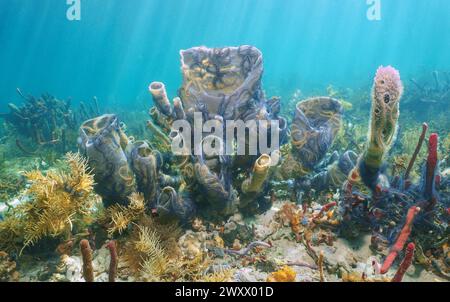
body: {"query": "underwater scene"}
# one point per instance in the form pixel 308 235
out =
pixel 225 141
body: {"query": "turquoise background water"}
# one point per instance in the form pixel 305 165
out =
pixel 118 47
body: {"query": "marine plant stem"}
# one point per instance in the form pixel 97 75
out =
pixel 416 152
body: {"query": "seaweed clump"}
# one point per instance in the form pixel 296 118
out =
pixel 147 247
pixel 118 218
pixel 59 199
pixel 151 253
pixel 46 122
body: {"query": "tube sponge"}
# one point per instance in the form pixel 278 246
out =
pixel 255 182
pixel 86 255
pixel 144 164
pixel 172 203
pixel 113 263
pixel 386 93
pixel 401 239
pixel 159 94
pixel 431 164
pixel 406 263
pixel 103 142
pixel 314 127
pixel 178 109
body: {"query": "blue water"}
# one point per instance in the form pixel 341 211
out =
pixel 118 47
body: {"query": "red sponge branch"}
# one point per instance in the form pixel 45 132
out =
pixel 113 262
pixel 86 254
pixel 401 239
pixel 432 160
pixel 406 263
